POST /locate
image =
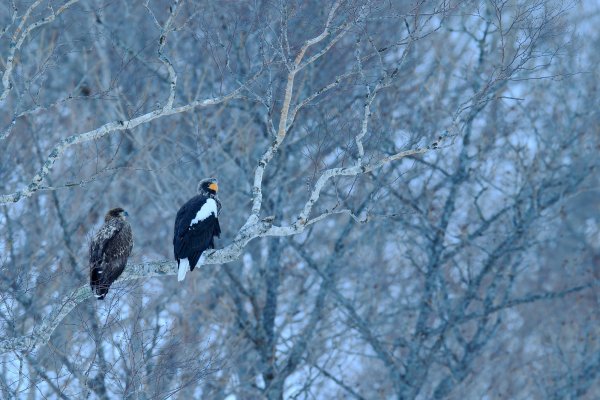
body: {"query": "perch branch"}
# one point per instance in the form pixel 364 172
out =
pixel 251 230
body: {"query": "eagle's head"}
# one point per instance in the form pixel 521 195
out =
pixel 208 187
pixel 116 213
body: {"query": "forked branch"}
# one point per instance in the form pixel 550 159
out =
pixel 251 230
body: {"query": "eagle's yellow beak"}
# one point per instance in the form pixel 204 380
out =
pixel 213 186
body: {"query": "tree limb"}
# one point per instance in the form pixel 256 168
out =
pixel 102 131
pixel 250 230
pixel 17 41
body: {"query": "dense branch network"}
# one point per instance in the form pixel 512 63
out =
pixel 254 227
pixel 418 296
pixel 115 126
pixel 19 37
pixel 251 230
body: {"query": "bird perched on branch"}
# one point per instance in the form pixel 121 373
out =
pixel 196 226
pixel 109 251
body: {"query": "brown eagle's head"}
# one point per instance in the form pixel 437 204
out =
pixel 208 187
pixel 115 213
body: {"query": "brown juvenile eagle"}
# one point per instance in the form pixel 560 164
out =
pixel 196 226
pixel 109 251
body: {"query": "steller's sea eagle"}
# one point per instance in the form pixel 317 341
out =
pixel 196 225
pixel 109 251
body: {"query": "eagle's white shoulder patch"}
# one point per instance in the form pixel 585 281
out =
pixel 210 207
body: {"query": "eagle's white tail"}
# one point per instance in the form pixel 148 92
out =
pixel 184 267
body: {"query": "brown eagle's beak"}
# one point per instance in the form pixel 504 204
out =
pixel 213 186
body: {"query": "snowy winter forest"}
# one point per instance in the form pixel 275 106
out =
pixel 410 198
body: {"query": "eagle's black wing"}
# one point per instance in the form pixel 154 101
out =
pixel 109 252
pixel 195 229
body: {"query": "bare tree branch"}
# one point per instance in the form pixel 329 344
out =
pixel 19 37
pixel 233 251
pixel 102 131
